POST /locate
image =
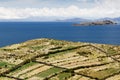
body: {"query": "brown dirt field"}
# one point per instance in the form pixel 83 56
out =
pixel 34 72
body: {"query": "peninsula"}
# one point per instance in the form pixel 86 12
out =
pixel 103 22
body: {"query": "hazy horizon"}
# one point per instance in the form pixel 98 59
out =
pixel 58 9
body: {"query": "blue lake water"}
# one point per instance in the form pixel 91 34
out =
pixel 15 32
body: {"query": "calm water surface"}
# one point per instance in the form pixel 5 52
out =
pixel 15 32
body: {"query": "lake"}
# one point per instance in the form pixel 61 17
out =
pixel 16 32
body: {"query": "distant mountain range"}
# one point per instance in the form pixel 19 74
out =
pixel 115 19
pixel 85 20
pixel 73 20
pixel 56 19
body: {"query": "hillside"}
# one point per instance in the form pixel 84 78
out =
pixel 48 59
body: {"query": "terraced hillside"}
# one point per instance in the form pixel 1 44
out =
pixel 48 59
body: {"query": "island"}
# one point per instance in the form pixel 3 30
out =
pixel 103 22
